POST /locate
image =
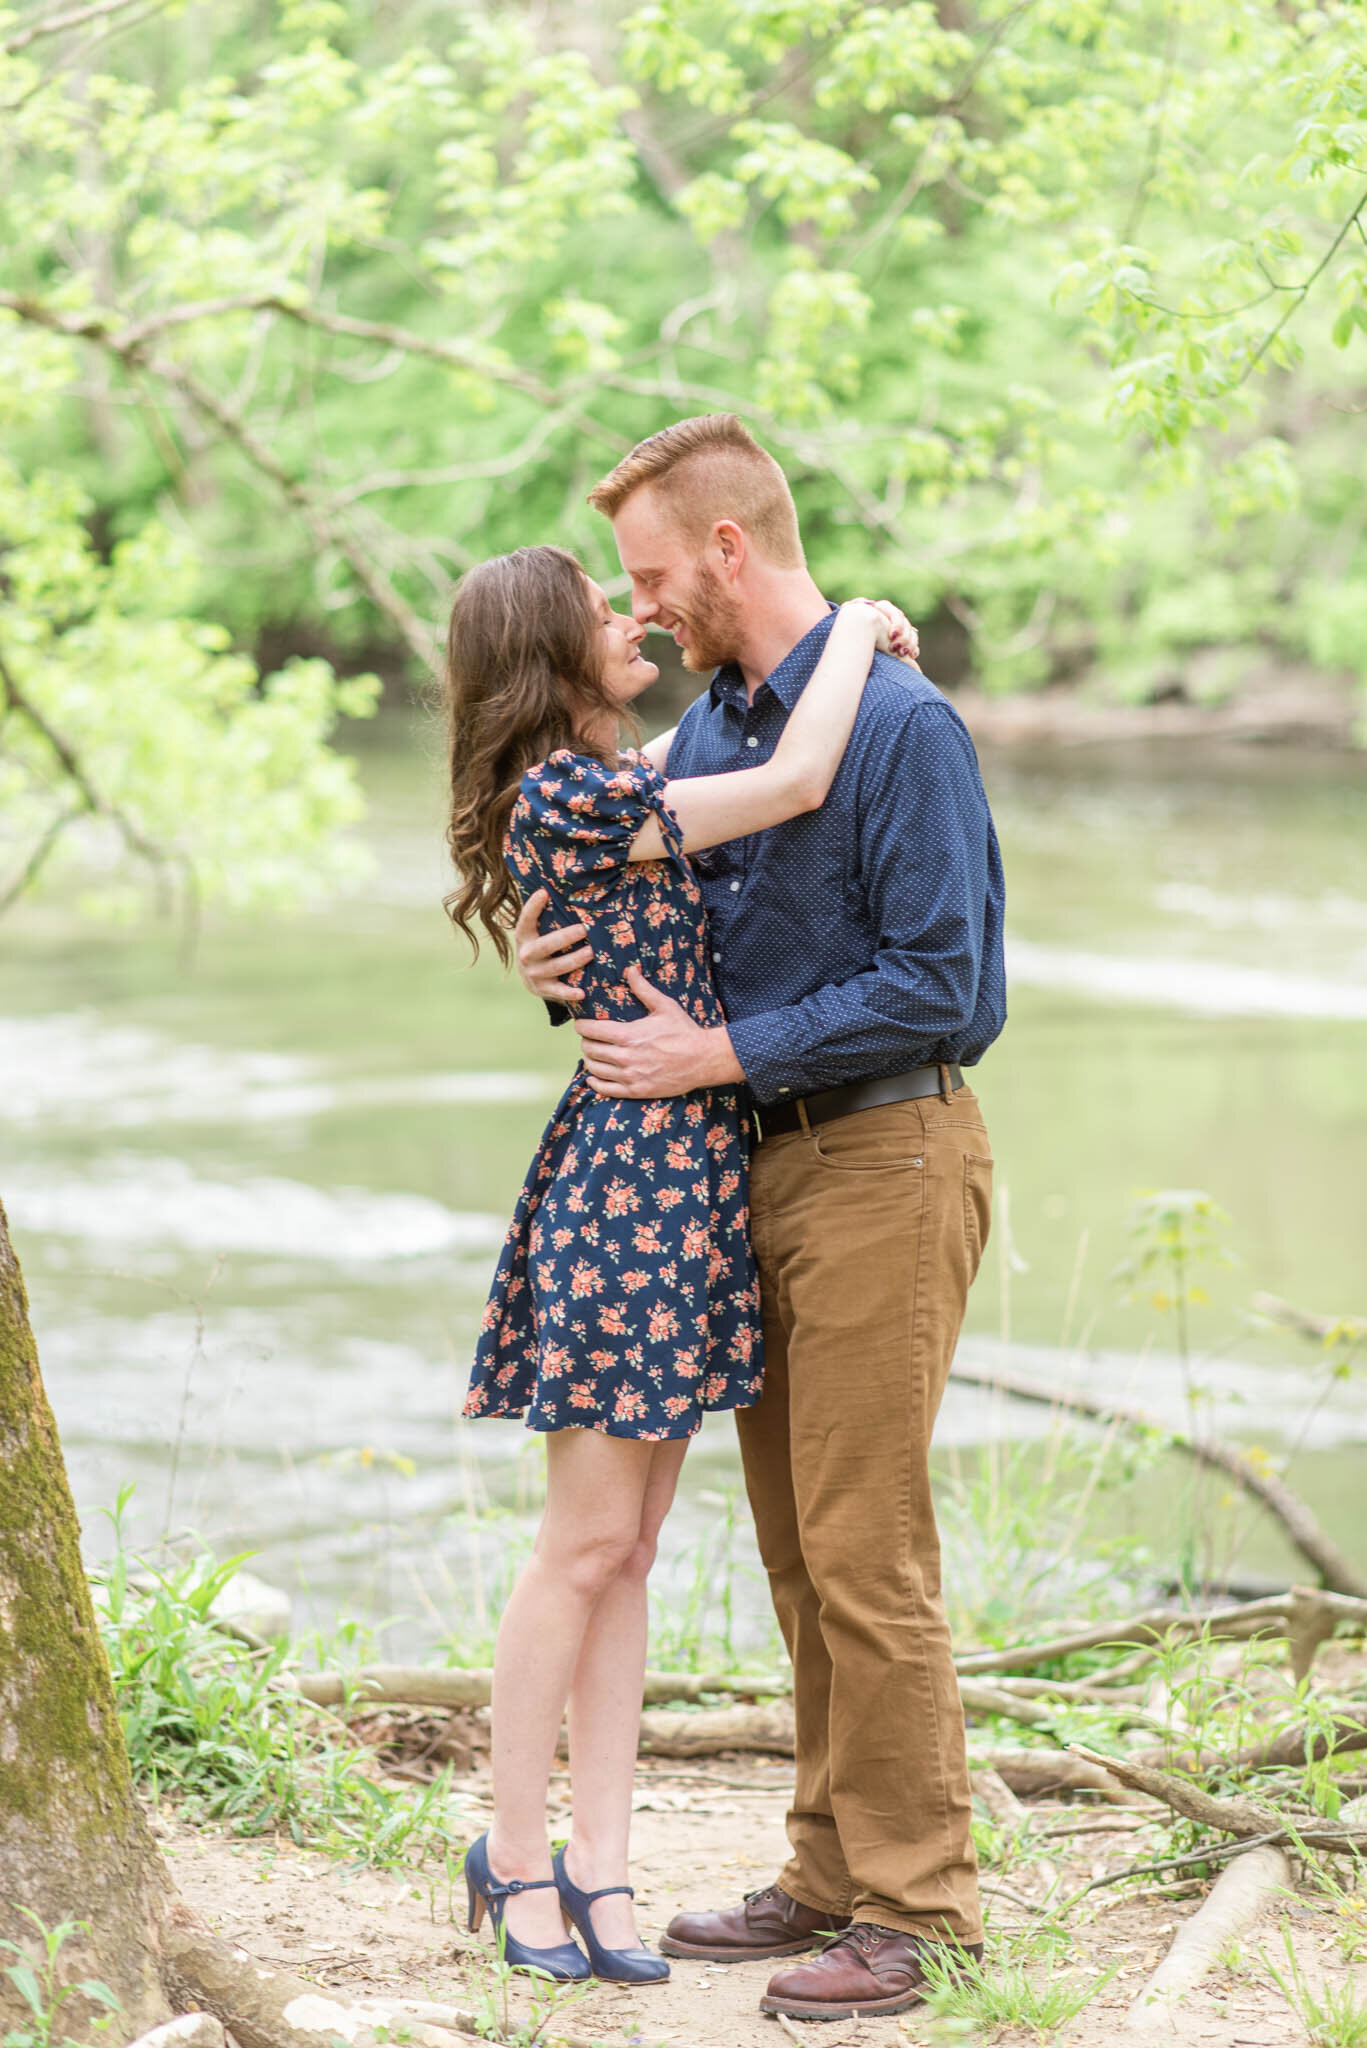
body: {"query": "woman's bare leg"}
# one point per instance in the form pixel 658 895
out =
pixel 595 1490
pixel 605 1713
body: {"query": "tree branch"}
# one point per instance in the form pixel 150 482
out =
pixel 1340 1575
pixel 130 344
pixel 13 699
pixel 1302 292
pixel 57 24
pixel 37 860
pixel 1244 1818
pixel 130 347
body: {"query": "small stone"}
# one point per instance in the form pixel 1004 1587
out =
pixel 253 1604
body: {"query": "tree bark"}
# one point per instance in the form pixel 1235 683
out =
pixel 73 1841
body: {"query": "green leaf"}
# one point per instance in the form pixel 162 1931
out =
pixel 25 1982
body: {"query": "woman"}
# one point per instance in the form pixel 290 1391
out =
pixel 625 1303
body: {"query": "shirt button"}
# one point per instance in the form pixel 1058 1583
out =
pixel 734 887
pixel 752 741
pixel 716 956
pixel 785 1091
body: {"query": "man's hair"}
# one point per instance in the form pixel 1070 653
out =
pixel 708 469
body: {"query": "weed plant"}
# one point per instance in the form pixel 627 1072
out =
pixel 1333 2015
pixel 1021 1523
pixel 1017 1986
pixel 706 1622
pixel 492 1979
pixel 37 1983
pixel 212 1722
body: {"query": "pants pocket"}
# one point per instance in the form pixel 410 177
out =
pixel 977 1207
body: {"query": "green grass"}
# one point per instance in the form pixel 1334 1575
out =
pixel 1333 2015
pixel 1017 1985
pixel 212 1723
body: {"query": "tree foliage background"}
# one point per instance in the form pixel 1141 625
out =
pixel 1055 311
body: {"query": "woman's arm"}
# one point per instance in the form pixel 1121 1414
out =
pixel 713 808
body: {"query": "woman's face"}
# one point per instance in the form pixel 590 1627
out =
pixel 626 672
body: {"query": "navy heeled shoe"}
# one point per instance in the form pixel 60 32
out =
pixel 566 1963
pixel 617 1965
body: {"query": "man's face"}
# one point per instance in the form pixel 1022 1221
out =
pixel 674 587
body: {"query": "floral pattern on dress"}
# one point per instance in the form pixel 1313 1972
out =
pixel 626 1298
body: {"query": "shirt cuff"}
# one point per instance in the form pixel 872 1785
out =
pixel 768 1065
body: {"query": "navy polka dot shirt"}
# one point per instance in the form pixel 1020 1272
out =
pixel 866 937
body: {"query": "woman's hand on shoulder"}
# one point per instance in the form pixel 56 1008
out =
pixel 895 633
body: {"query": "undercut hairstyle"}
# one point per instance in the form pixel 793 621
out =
pixel 524 674
pixel 708 469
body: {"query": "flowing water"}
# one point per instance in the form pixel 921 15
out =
pixel 258 1199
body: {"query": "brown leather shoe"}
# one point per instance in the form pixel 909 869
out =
pixel 765 1925
pixel 866 1969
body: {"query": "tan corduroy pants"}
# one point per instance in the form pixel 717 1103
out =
pixel 868 1231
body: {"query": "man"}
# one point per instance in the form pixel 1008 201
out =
pixel 857 951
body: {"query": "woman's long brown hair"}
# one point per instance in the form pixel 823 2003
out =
pixel 524 675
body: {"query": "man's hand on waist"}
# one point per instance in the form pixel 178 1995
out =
pixel 662 1053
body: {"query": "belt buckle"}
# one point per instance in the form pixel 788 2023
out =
pixel 759 1128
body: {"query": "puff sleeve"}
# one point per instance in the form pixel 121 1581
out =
pixel 578 819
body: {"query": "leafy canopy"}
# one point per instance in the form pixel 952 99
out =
pixel 1053 309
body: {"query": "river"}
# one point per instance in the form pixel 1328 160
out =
pixel 258 1200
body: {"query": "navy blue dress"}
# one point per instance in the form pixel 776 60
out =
pixel 626 1298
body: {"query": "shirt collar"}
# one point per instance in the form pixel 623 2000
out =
pixel 788 680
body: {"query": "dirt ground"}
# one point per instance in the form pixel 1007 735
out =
pixel 705 1833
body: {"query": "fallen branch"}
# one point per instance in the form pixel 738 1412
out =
pixel 1036 1773
pixel 1320 1329
pixel 456 1686
pixel 695 1734
pixel 1154 1626
pixel 1337 1571
pixel 992 1699
pixel 1244 1818
pixel 1230 1816
pixel 998 1800
pixel 766 1730
pixel 1233 1906
pixel 1300 1745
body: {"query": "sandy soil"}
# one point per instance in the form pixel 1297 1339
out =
pixel 704 1834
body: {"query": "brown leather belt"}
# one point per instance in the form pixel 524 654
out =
pixel 776 1117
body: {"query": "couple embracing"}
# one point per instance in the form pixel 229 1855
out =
pixel 778 932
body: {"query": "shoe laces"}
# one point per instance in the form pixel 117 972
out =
pixel 766 1891
pixel 863 1935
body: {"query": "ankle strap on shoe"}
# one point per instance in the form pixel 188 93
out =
pixel 497 1889
pixel 606 1892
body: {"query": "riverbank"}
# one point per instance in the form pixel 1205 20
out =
pixel 704 1833
pixel 1268 701
pixel 1281 706
pixel 321 1824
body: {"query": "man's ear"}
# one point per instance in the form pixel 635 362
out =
pixel 729 540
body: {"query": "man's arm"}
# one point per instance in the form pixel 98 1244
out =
pixel 926 874
pixel 926 877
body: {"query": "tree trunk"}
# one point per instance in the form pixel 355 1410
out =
pixel 73 1841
